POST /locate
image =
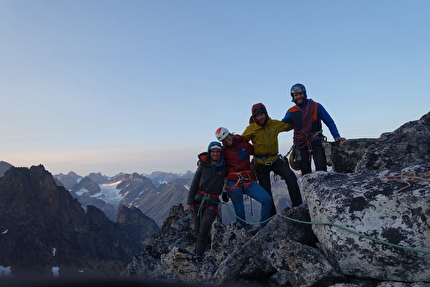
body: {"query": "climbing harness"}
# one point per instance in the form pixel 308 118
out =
pixel 268 159
pixel 205 202
pixel 407 176
pixel 216 196
pixel 295 157
pixel 317 134
pixel 241 179
pixel 245 181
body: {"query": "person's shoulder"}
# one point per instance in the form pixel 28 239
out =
pixel 248 128
pixel 254 127
pixel 294 108
pixel 280 125
pixel 273 121
pixel 243 144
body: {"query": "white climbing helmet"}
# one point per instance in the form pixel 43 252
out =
pixel 221 133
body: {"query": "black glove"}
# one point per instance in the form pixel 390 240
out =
pixel 225 197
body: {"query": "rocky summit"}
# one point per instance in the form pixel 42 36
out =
pixel 367 223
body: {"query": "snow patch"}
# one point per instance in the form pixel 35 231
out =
pixel 4 271
pixel 81 191
pixel 109 193
pixel 55 271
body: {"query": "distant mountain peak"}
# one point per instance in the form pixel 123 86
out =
pixel 4 166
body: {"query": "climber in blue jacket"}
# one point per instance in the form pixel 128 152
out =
pixel 306 116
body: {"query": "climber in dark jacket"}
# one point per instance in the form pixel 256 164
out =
pixel 306 117
pixel 203 196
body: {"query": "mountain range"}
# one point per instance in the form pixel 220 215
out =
pixel 154 194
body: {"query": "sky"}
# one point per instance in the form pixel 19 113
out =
pixel 141 86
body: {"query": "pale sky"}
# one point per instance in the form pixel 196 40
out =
pixel 141 86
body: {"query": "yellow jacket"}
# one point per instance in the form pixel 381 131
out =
pixel 265 139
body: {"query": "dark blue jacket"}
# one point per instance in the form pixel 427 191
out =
pixel 209 178
pixel 294 116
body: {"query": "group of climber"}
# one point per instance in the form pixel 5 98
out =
pixel 231 163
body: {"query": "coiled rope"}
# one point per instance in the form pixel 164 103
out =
pixel 407 176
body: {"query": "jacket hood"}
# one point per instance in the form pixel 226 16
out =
pixel 258 109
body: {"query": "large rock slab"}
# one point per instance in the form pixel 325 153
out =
pixel 378 209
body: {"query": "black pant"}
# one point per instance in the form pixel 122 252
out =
pixel 202 225
pixel 281 168
pixel 318 154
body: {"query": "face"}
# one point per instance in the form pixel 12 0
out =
pixel 228 141
pixel 261 118
pixel 299 98
pixel 215 154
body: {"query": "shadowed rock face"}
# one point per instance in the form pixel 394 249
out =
pixel 344 156
pixel 406 146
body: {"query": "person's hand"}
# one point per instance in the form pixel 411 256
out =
pixel 340 139
pixel 191 208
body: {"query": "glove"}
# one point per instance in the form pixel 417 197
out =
pixel 225 197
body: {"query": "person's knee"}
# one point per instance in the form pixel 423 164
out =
pixel 267 199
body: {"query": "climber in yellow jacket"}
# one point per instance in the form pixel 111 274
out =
pixel 263 133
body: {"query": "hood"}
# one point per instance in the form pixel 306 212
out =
pixel 259 108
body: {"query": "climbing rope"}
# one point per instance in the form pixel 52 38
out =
pixel 407 176
pixel 335 225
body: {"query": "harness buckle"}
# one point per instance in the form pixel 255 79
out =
pixel 241 178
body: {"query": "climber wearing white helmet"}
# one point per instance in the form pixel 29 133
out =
pixel 241 180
